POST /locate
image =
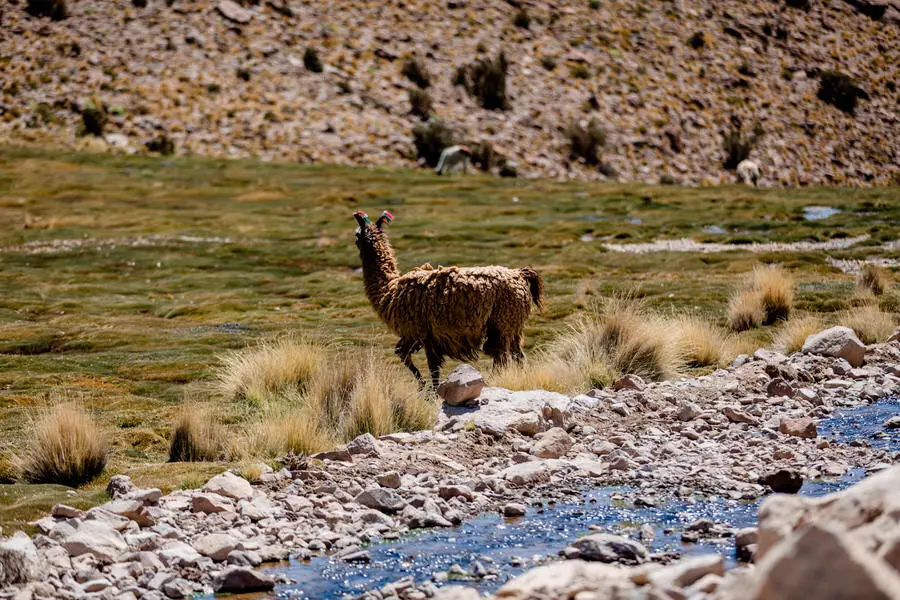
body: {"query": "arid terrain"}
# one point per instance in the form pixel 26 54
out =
pixel 323 82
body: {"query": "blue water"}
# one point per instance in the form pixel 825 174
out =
pixel 817 213
pixel 517 545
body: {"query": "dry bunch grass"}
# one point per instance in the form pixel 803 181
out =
pixel 68 447
pixel 872 278
pixel 701 344
pixel 311 397
pixel 196 436
pixel 871 324
pixel 791 336
pixel 767 297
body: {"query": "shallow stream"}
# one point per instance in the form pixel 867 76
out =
pixel 514 546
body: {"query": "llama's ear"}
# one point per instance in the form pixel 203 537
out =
pixel 361 218
pixel 384 219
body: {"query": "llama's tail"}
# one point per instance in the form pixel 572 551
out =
pixel 536 283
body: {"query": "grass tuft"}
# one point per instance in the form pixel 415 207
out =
pixel 870 323
pixel 196 436
pixel 766 298
pixel 700 343
pixel 68 448
pixel 872 278
pixel 271 368
pixel 745 310
pixel 791 336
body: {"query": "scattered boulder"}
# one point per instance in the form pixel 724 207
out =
pixel 19 560
pixel 462 386
pixel 96 538
pixel 216 546
pixel 119 486
pixel 839 342
pixel 234 12
pixel 685 572
pixel 229 485
pixel 381 499
pixel 804 427
pixel 608 548
pixel 363 444
pixel 514 509
pixel 821 561
pixel 527 473
pixel 892 422
pixel 566 579
pixel 688 411
pixel 131 509
pixel 211 503
pixel 629 382
pixel 390 479
pixel 555 443
pixel 783 481
pixel 780 387
pixel 238 580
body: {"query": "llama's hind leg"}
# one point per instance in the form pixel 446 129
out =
pixel 496 346
pixel 435 360
pixel 405 349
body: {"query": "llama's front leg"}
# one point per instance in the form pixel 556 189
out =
pixel 435 360
pixel 405 349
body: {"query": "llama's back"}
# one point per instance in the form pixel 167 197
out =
pixel 453 305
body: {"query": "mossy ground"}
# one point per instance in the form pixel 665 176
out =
pixel 132 325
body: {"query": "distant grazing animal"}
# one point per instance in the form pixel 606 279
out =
pixel 451 312
pixel 453 158
pixel 748 172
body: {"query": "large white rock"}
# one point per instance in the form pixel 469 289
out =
pixel 608 548
pixel 96 538
pixel 462 386
pixel 19 560
pixel 839 342
pixel 131 509
pixel 526 473
pixel 566 579
pixel 242 579
pixel 555 443
pixel 823 561
pixel 234 12
pixel 502 410
pixel 229 485
pixel 216 546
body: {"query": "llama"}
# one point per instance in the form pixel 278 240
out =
pixel 453 158
pixel 748 172
pixel 451 312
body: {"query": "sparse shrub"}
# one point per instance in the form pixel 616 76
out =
pixel 800 4
pixel 485 80
pixel 93 118
pixel 737 147
pixel 871 278
pixel 311 60
pixel 430 139
pixel 745 310
pixel 870 323
pixel 420 103
pixel 414 70
pixel 791 336
pixel 271 368
pixel 623 338
pixel 522 19
pixel 55 9
pixel 548 62
pixel 161 144
pixel 839 90
pixel 320 403
pixel 580 71
pixel 195 437
pixel 700 343
pixel 776 289
pixel 67 448
pixel 585 142
pixel 697 40
pixel 767 297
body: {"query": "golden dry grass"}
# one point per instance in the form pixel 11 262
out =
pixel 871 324
pixel 872 278
pixel 791 336
pixel 272 367
pixel 331 397
pixel 700 343
pixel 68 447
pixel 765 298
pixel 540 372
pixel 196 436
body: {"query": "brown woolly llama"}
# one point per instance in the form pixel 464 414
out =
pixel 451 312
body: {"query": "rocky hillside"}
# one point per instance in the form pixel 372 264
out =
pixel 662 81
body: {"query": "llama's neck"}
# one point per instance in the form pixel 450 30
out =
pixel 379 270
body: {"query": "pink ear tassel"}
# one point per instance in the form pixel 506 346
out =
pixel 387 216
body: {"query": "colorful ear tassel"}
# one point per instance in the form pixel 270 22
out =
pixel 387 216
pixel 365 217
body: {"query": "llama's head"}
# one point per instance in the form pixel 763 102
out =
pixel 370 235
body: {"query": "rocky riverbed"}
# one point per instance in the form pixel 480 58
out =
pixel 735 434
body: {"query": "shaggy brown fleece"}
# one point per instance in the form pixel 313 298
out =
pixel 451 312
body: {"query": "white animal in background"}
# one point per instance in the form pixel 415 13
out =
pixel 748 172
pixel 453 158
